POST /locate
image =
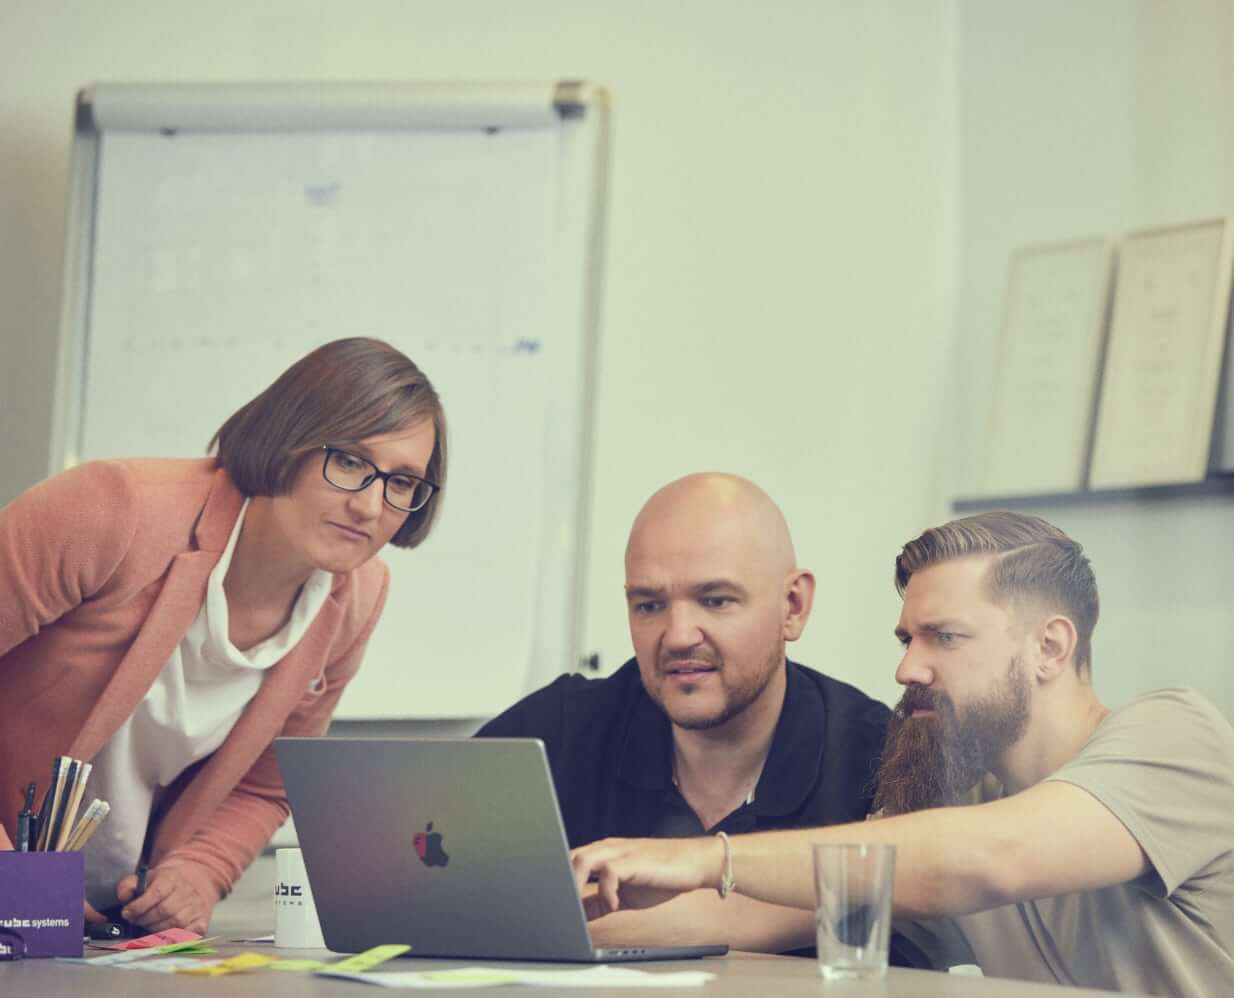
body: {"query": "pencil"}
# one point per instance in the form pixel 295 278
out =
pixel 96 814
pixel 70 814
pixel 85 819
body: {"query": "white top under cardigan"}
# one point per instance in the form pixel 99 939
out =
pixel 187 713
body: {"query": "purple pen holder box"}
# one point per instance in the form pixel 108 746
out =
pixel 41 898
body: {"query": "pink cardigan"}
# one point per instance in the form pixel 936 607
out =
pixel 102 570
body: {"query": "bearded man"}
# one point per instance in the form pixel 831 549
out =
pixel 709 728
pixel 1068 842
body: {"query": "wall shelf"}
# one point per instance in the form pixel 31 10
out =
pixel 1215 485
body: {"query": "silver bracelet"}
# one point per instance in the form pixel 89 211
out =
pixel 727 883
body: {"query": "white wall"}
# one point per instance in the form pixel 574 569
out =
pixel 781 241
pixel 813 205
pixel 1089 118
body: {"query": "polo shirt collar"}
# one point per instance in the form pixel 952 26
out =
pixel 646 751
pixel 796 757
pixel 793 762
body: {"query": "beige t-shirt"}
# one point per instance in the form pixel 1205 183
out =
pixel 1164 766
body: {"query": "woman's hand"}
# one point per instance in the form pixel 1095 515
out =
pixel 169 902
pixel 640 873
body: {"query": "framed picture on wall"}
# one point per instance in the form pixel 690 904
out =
pixel 1163 364
pixel 1048 367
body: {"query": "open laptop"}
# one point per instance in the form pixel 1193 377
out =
pixel 454 846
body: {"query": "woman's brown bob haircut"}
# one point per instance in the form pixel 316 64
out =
pixel 340 394
pixel 1034 561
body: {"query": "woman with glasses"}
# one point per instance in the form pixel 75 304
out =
pixel 167 619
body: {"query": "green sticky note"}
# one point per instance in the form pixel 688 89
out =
pixel 472 976
pixel 370 958
pixel 189 947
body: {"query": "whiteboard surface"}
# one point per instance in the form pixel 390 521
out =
pixel 220 258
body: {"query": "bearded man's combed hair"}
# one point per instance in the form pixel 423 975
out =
pixel 1035 563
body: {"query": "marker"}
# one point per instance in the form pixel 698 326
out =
pixel 25 819
pixel 49 799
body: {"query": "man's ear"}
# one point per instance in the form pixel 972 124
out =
pixel 1056 642
pixel 798 599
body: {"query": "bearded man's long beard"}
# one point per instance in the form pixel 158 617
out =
pixel 936 759
pixel 922 767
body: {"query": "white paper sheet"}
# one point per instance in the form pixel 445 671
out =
pixel 487 977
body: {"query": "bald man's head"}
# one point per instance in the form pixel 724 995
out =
pixel 714 592
pixel 738 506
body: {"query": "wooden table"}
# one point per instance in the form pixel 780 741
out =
pixel 738 975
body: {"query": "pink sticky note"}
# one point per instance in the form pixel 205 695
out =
pixel 163 938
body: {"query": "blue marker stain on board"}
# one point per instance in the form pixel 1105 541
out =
pixel 322 194
pixel 526 346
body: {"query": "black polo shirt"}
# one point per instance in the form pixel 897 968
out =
pixel 610 749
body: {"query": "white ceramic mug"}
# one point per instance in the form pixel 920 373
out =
pixel 295 915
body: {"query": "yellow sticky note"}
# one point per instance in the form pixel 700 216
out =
pixel 232 965
pixel 297 965
pixel 370 958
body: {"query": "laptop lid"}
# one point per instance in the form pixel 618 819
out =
pixel 454 846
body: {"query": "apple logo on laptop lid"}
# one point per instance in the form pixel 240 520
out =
pixel 428 847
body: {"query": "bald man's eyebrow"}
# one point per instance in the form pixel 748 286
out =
pixel 717 585
pixel 644 592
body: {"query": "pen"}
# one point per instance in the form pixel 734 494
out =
pixel 25 818
pixel 64 789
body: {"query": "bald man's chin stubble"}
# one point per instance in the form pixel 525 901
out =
pixel 709 701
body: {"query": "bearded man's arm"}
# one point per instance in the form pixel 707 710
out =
pixel 949 861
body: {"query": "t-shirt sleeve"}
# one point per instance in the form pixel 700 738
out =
pixel 1164 766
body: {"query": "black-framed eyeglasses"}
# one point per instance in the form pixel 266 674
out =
pixel 12 945
pixel 352 473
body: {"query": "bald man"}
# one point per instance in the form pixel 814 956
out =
pixel 709 727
